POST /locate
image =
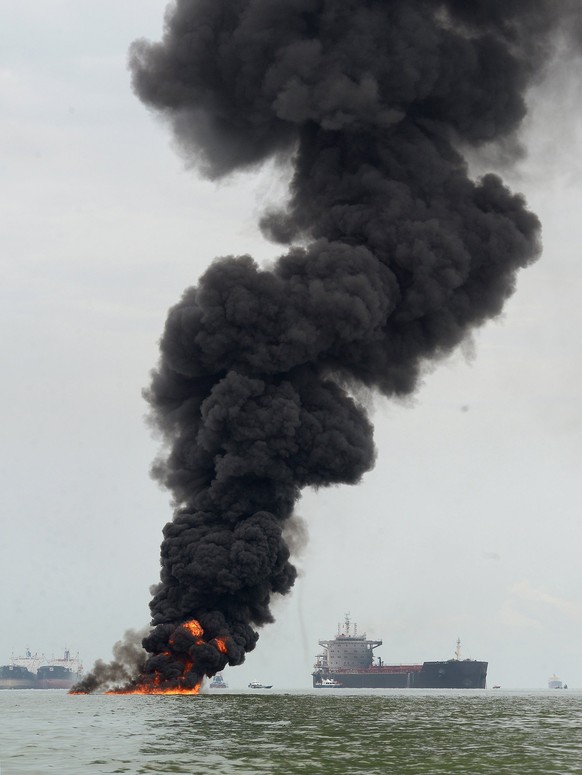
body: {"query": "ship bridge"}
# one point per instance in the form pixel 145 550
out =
pixel 348 650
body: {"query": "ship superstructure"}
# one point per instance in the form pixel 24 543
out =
pixel 349 659
pixel 348 650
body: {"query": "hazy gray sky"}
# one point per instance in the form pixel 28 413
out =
pixel 470 523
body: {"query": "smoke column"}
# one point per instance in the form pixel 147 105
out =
pixel 393 254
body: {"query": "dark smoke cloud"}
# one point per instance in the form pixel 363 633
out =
pixel 128 662
pixel 394 255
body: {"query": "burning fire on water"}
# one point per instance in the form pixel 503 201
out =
pixel 155 687
pixel 175 670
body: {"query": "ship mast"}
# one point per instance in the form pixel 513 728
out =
pixel 458 650
pixel 346 630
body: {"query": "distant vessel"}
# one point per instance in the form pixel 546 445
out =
pixel 349 659
pixel 34 671
pixel 554 682
pixel 16 677
pixel 218 682
pixel 259 685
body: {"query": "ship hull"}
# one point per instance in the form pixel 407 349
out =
pixel 56 677
pixel 55 683
pixel 364 680
pixel 17 683
pixel 452 674
pixel 16 678
pixel 47 677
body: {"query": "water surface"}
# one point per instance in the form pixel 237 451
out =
pixel 401 732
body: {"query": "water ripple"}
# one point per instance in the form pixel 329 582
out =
pixel 376 733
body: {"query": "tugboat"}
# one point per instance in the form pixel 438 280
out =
pixel 349 659
pixel 218 682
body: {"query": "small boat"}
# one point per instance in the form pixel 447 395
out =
pixel 259 685
pixel 497 686
pixel 328 683
pixel 218 682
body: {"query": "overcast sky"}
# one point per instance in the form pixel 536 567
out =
pixel 469 526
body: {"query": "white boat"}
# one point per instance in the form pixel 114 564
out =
pixel 259 685
pixel 328 683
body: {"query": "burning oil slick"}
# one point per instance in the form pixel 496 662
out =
pixel 394 254
pixel 129 660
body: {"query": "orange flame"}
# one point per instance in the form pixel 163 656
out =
pixel 153 689
pixel 221 645
pixel 194 627
pixel 154 684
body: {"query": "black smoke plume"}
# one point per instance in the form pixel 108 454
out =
pixel 129 660
pixel 394 255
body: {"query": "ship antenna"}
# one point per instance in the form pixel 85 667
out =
pixel 458 649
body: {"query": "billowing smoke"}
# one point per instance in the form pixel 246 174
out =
pixel 128 660
pixel 393 255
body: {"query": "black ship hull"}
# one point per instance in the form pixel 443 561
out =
pixel 16 677
pixel 452 674
pixel 47 677
pixel 56 677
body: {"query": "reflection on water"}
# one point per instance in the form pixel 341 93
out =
pixel 380 732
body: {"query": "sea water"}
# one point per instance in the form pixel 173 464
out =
pixel 399 732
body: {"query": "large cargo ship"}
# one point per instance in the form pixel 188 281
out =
pixel 349 660
pixel 16 677
pixel 34 671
